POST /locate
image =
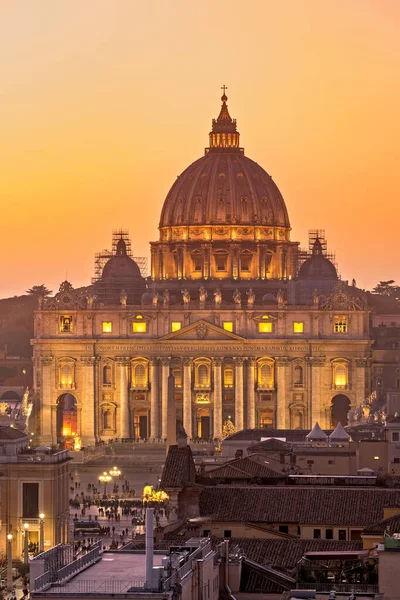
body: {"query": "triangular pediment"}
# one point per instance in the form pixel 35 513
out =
pixel 203 330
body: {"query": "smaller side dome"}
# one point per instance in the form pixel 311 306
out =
pixel 119 267
pixel 317 266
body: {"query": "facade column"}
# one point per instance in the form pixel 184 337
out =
pixel 251 402
pixel 282 365
pixel 187 396
pixel 217 366
pixel 239 424
pixel 124 425
pixel 165 367
pixel 154 403
pixel 88 412
pixel 46 389
pixel 317 364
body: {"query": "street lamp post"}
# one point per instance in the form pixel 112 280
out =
pixel 41 533
pixel 115 472
pixel 105 478
pixel 26 542
pixel 9 563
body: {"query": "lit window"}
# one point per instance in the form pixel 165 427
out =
pixel 228 325
pixel 228 377
pixel 340 325
pixel 266 376
pixel 66 324
pixel 139 375
pixel 265 327
pixel 298 327
pixel 106 326
pixel 176 325
pixel 202 376
pixel 140 327
pixel 66 376
pixel 340 375
pixel 376 457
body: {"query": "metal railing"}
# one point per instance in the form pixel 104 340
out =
pixel 66 572
pixel 347 588
pixel 98 586
pixel 79 564
pixel 201 552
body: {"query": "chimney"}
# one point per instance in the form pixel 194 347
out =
pixel 149 547
pixel 182 438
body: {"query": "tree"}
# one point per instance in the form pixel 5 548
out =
pixel 228 428
pixel 389 290
pixel 39 290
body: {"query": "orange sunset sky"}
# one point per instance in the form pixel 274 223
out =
pixel 105 102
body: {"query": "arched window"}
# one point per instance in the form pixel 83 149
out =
pixel 298 376
pixel 66 376
pixel 245 209
pixel 107 375
pixel 297 418
pixel 202 375
pixel 107 419
pixel 139 375
pixel 265 376
pixel 340 374
pixel 228 377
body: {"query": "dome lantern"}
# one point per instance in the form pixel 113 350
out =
pixel 224 135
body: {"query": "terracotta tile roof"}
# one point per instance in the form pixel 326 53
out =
pixel 179 468
pixel 254 466
pixel 313 506
pixel 282 554
pixel 258 465
pixel 270 446
pixel 391 525
pixel 228 471
pixel 255 435
pixel 10 433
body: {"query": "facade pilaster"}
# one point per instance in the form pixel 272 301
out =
pixel 251 404
pixel 154 403
pixel 282 368
pixel 187 396
pixel 239 420
pixel 47 386
pixel 317 365
pixel 361 391
pixel 124 421
pixel 87 431
pixel 217 366
pixel 165 368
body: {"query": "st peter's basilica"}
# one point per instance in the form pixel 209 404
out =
pixel 253 329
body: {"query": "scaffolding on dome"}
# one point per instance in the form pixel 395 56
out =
pixel 304 253
pixel 101 258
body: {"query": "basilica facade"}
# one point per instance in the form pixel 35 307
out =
pixel 250 333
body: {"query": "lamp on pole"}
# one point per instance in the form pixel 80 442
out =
pixel 41 533
pixel 26 541
pixel 115 472
pixel 105 478
pixel 9 563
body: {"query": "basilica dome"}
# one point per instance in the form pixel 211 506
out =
pixel 224 187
